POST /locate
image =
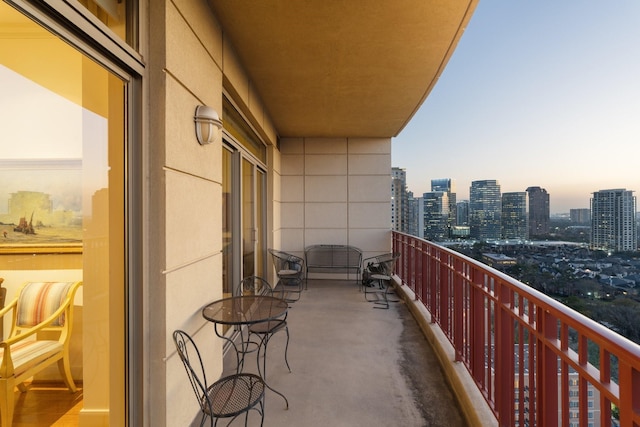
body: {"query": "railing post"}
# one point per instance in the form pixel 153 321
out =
pixel 547 375
pixel 505 353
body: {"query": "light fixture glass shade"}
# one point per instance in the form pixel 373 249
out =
pixel 208 124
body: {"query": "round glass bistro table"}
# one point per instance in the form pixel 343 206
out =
pixel 241 311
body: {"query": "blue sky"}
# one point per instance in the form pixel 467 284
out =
pixel 538 93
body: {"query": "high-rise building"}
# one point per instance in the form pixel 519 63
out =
pixel 399 200
pixel 462 212
pixel 539 211
pixel 515 221
pixel 447 185
pixel 436 215
pixel 580 216
pixel 485 209
pixel 412 214
pixel 613 220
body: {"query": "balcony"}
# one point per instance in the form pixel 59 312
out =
pixel 493 352
pixel 353 365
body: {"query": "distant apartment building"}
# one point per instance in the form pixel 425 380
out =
pixel 539 211
pixel 447 185
pixel 485 209
pixel 613 220
pixel 412 214
pixel 580 216
pixel 515 221
pixel 523 389
pixel 462 213
pixel 399 200
pixel 436 215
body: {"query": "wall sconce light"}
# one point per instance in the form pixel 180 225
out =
pixel 208 124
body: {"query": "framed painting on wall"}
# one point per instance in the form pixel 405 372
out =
pixel 40 205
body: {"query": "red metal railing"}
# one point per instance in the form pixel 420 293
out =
pixel 536 361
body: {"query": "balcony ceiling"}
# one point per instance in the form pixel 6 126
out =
pixel 343 68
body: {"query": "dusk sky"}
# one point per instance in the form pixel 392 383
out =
pixel 538 93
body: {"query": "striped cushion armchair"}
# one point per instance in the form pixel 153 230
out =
pixel 38 306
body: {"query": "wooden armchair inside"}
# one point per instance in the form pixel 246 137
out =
pixel 38 307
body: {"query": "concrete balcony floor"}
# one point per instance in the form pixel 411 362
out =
pixel 352 365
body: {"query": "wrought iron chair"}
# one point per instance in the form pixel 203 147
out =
pixel 229 397
pixel 289 269
pixel 255 285
pixel 378 269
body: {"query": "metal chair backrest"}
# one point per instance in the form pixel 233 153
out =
pixel 188 351
pixel 389 263
pixel 254 285
pixel 286 262
pixel 383 263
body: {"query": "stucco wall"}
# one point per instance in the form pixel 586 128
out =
pixel 187 61
pixel 335 191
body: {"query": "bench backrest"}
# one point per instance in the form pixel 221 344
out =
pixel 333 258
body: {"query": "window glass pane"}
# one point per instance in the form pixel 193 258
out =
pixel 241 131
pixel 118 15
pixel 261 212
pixel 62 208
pixel 248 212
pixel 227 223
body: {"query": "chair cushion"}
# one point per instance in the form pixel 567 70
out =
pixel 26 354
pixel 288 272
pixel 38 300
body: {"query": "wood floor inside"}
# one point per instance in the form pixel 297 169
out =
pixel 47 404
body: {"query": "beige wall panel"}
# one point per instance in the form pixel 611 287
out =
pixel 188 288
pixel 189 63
pixel 292 146
pixel 194 219
pixel 325 164
pixel 293 215
pixel 369 145
pixel 369 215
pixel 371 241
pixel 292 164
pixel 325 188
pixel 292 189
pixel 368 188
pixel 277 189
pixel 369 164
pixel 291 240
pixel 277 215
pixel 334 236
pixel 183 151
pixel 200 18
pixel 257 110
pixel 269 130
pixel 277 239
pixel 234 72
pixel 275 159
pixel 325 145
pixel 325 215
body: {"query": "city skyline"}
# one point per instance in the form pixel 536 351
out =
pixel 534 95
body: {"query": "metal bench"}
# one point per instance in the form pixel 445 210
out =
pixel 333 259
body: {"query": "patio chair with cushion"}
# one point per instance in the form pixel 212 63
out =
pixel 38 307
pixel 289 269
pixel 376 278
